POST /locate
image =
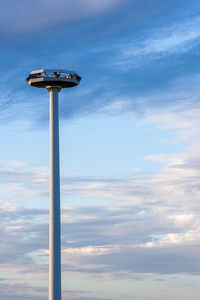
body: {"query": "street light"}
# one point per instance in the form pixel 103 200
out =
pixel 54 80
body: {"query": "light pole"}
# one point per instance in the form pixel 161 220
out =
pixel 54 80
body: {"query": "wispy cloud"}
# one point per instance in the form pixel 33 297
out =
pixel 159 43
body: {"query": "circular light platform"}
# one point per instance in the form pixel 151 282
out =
pixel 53 77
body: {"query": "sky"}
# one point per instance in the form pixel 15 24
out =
pixel 129 148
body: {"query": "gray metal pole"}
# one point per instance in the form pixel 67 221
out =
pixel 54 218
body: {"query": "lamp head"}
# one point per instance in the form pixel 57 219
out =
pixel 53 77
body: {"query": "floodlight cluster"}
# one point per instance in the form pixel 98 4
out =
pixel 53 77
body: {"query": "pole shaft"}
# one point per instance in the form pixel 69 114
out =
pixel 54 214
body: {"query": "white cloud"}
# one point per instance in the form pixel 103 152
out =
pixel 92 250
pixel 182 220
pixel 192 237
pixel 177 38
pixel 117 107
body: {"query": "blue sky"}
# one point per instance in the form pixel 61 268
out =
pixel 129 147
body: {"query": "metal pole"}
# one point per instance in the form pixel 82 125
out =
pixel 54 217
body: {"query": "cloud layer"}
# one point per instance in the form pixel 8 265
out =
pixel 26 17
pixel 137 59
pixel 144 225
